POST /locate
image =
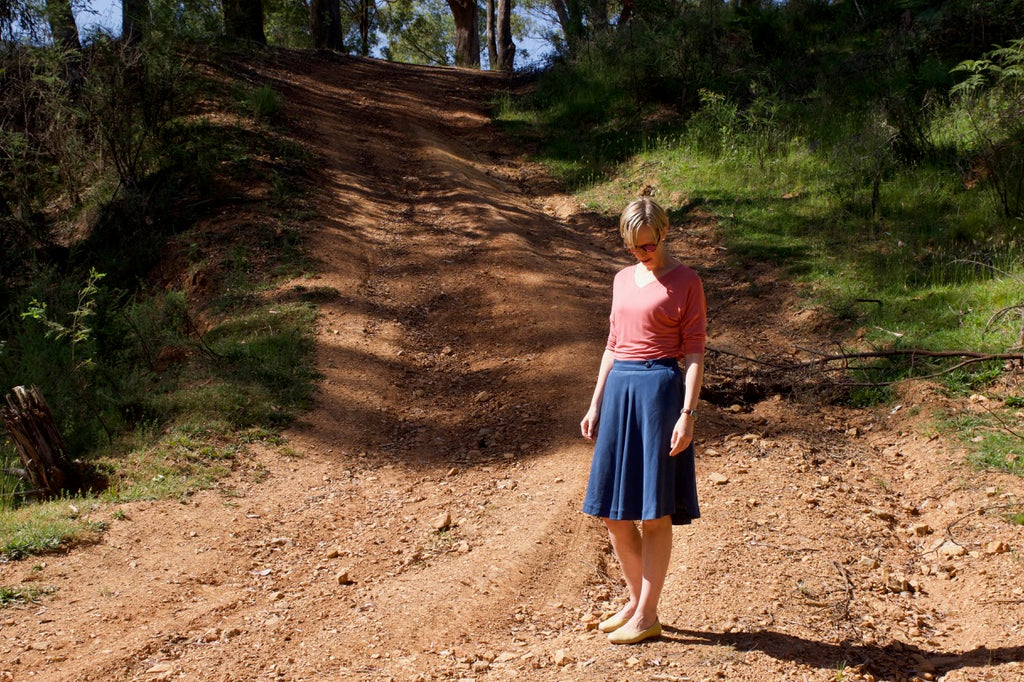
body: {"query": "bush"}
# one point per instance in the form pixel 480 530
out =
pixel 993 95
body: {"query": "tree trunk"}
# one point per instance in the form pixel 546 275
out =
pixel 325 24
pixel 28 419
pixel 365 24
pixel 134 20
pixel 243 21
pixel 506 48
pixel 467 38
pixel 5 208
pixel 492 50
pixel 570 18
pixel 62 24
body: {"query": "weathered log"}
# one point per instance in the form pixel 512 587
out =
pixel 28 419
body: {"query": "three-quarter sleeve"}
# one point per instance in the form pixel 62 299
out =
pixel 693 319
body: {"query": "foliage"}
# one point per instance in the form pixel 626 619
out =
pixel 993 97
pixel 264 103
pixel 152 398
pixel 23 594
pixel 287 23
pixel 825 141
pixel 132 94
pixel 44 528
pixel 418 32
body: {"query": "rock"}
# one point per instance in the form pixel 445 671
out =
pixel 950 549
pixel 718 479
pixel 161 671
pixel 229 634
pixel 735 408
pixel 334 553
pixel 882 514
pixel 921 529
pixel 482 397
pixel 211 635
pixel 343 577
pixel 280 542
pixel 562 657
pixel 868 562
pixel 506 656
pixel 480 666
pixel 853 432
pixel 997 547
pixel 443 521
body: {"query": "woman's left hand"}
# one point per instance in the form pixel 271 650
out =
pixel 682 434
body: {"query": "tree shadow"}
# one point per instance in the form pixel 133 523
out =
pixel 893 659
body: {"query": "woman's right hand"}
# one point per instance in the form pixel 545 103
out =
pixel 588 427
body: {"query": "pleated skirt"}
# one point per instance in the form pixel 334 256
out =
pixel 632 476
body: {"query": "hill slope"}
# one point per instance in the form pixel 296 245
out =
pixel 424 521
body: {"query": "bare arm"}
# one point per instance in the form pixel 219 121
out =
pixel 682 433
pixel 588 427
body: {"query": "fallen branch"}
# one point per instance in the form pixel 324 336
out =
pixel 822 360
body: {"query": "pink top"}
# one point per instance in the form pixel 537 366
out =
pixel 666 318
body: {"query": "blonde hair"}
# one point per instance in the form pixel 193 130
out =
pixel 642 212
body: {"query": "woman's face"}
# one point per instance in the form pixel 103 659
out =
pixel 650 257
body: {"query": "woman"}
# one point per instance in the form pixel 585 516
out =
pixel 645 404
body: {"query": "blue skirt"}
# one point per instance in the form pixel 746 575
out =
pixel 632 476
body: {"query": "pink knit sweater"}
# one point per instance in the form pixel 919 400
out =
pixel 666 318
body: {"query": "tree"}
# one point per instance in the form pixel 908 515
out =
pixel 134 17
pixel 578 19
pixel 325 24
pixel 62 24
pixel 243 21
pixel 418 31
pixel 505 47
pixel 467 37
pixel 492 49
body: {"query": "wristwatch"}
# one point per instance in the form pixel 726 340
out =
pixel 687 410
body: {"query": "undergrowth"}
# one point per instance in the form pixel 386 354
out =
pixel 893 222
pixel 164 366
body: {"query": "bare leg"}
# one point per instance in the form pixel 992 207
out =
pixel 628 548
pixel 655 555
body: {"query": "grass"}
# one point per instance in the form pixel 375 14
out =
pixel 928 268
pixel 990 439
pixel 47 527
pixel 23 594
pixel 186 384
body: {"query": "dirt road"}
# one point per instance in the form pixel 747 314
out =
pixel 423 521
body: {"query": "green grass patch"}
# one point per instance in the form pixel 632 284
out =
pixel 900 255
pixel 23 594
pixel 989 438
pixel 161 391
pixel 46 527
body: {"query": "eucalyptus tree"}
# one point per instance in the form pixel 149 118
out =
pixel 467 33
pixel 325 24
pixel 243 21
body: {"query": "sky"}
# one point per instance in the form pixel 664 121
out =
pixel 106 14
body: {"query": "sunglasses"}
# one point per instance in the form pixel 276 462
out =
pixel 649 248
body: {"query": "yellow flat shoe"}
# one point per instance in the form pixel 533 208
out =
pixel 614 623
pixel 622 636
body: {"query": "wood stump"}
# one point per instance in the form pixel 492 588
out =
pixel 28 419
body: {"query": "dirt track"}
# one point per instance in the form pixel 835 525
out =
pixel 464 317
